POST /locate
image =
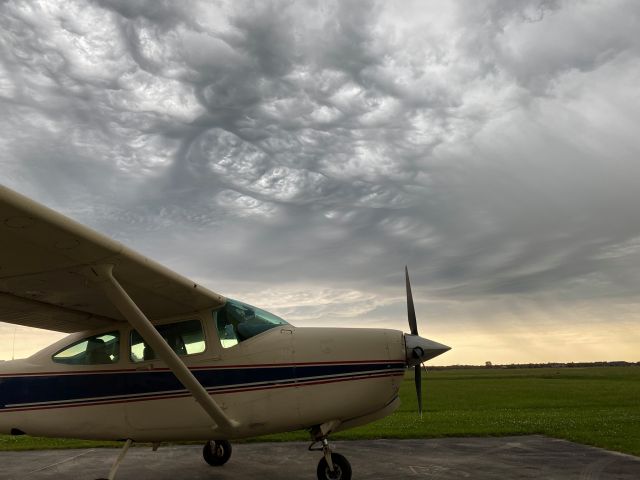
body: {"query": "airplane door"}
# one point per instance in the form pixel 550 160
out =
pixel 263 392
pixel 270 398
pixel 285 403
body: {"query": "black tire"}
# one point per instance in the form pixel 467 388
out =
pixel 341 468
pixel 216 452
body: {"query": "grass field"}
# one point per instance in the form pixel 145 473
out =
pixel 594 406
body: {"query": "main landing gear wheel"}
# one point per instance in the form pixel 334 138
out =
pixel 216 452
pixel 341 468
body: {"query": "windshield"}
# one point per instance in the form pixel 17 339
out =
pixel 238 321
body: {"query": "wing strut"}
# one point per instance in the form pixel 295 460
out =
pixel 103 276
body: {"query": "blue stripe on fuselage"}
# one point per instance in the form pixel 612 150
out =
pixel 56 388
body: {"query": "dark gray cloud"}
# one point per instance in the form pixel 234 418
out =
pixel 300 153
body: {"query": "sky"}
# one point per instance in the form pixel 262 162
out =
pixel 297 155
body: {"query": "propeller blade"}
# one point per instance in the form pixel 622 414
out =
pixel 411 311
pixel 418 379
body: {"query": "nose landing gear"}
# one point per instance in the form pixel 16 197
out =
pixel 332 466
pixel 216 452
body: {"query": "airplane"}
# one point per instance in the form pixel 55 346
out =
pixel 154 357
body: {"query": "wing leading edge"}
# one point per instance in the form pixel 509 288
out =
pixel 44 257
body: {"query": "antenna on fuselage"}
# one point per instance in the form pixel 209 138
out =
pixel 13 347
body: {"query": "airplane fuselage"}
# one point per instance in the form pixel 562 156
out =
pixel 283 379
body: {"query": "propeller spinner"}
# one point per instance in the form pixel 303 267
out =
pixel 418 349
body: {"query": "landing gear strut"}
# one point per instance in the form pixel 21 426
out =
pixel 332 466
pixel 216 452
pixel 116 464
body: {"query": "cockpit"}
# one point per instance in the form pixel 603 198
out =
pixel 237 322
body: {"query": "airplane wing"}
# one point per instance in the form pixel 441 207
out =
pixel 43 260
pixel 59 275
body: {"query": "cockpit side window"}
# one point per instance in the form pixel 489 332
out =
pixel 185 338
pixel 237 321
pixel 97 350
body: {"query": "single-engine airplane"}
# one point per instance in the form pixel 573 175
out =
pixel 153 357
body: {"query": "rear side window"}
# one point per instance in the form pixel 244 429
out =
pixel 97 350
pixel 185 338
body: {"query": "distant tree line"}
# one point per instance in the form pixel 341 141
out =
pixel 539 365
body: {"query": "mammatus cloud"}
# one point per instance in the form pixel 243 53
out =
pixel 299 154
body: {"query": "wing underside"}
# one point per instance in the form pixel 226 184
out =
pixel 44 258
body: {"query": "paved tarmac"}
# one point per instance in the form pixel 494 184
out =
pixel 526 457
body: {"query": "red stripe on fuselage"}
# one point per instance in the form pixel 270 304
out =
pixel 205 367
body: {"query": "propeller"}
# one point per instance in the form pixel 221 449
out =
pixel 411 311
pixel 418 380
pixel 413 328
pixel 418 349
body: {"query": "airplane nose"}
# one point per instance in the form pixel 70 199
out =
pixel 420 349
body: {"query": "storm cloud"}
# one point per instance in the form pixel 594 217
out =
pixel 299 154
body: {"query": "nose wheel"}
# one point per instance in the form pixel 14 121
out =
pixel 341 468
pixel 332 466
pixel 216 452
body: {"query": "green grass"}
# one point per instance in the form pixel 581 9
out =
pixel 594 406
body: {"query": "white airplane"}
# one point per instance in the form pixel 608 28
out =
pixel 154 357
